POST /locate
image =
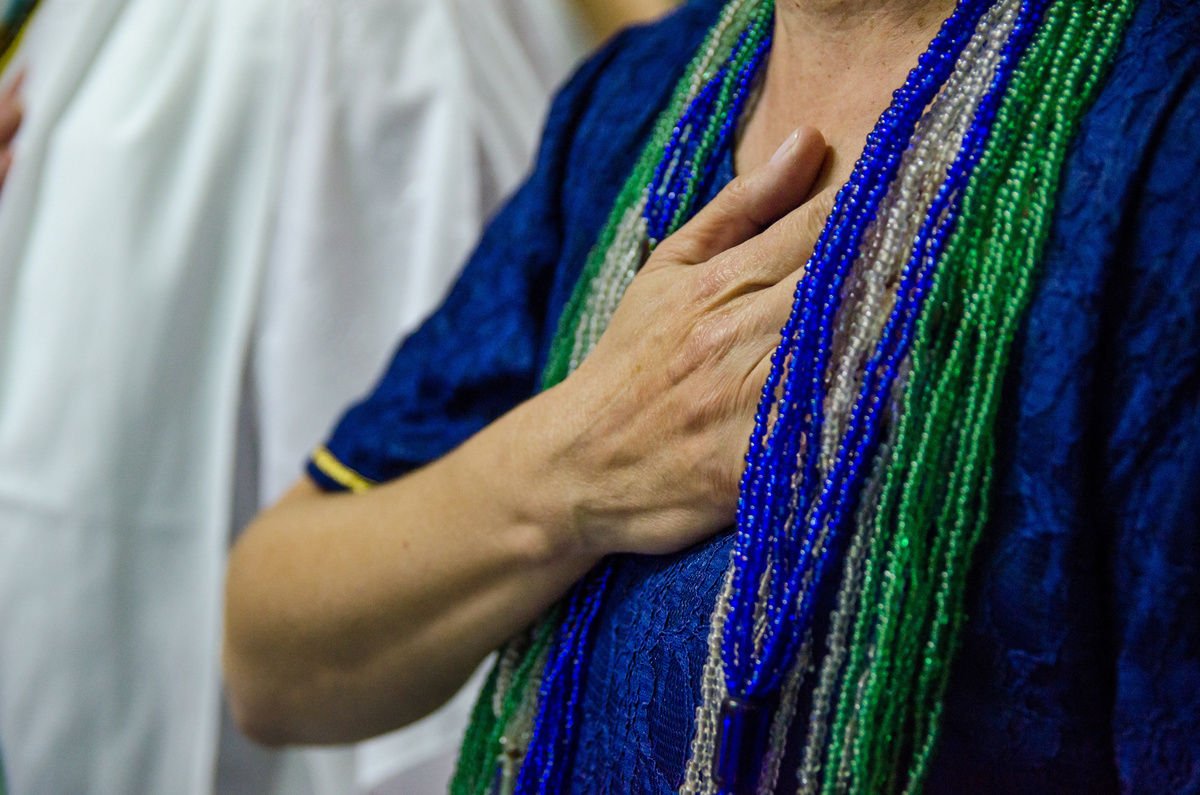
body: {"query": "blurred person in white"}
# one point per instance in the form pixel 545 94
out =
pixel 220 216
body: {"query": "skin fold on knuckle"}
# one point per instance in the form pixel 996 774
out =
pixel 671 251
pixel 738 272
pixel 712 279
pixel 712 337
pixel 743 197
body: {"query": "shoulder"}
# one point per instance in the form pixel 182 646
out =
pixel 1121 265
pixel 633 69
pixel 1143 127
pixel 595 132
pixel 603 114
pixel 1151 83
pixel 1127 236
pixel 479 354
pixel 1141 139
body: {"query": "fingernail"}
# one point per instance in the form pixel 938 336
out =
pixel 786 148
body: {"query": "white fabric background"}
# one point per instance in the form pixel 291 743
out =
pixel 221 217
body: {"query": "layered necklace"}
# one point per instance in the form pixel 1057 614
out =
pixel 871 458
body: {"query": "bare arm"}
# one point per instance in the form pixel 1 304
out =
pixel 348 615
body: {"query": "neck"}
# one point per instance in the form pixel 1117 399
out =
pixel 824 18
pixel 834 65
pixel 827 36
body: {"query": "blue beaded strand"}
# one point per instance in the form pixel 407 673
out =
pixel 676 175
pixel 768 494
pixel 767 500
pixel 548 758
pixel 862 432
pixel 679 178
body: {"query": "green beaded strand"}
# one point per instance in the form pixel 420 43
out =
pixel 969 354
pixel 760 27
pixel 483 741
pixel 949 411
pixel 473 756
pixel 699 71
pixel 1081 84
pixel 483 744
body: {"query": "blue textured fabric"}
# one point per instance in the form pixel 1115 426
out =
pixel 1080 665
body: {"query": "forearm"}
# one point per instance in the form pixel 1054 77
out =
pixel 348 615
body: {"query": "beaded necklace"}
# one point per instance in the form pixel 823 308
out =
pixel 871 455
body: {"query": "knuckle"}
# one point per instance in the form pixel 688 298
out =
pixel 712 337
pixel 685 246
pixel 740 271
pixel 667 252
pixel 739 191
pixel 714 277
pixel 803 224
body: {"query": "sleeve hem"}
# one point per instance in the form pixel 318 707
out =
pixel 332 475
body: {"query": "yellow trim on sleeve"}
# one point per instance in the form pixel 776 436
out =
pixel 340 473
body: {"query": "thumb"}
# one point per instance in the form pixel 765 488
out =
pixel 750 203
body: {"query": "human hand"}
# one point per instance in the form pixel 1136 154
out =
pixel 663 408
pixel 350 614
pixel 11 112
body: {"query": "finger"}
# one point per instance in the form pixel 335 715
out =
pixel 769 308
pixel 787 245
pixel 751 202
pixel 772 307
pixel 775 304
pixel 763 261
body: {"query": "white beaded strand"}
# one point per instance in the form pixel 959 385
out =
pixel 847 600
pixel 698 774
pixel 869 300
pixel 887 243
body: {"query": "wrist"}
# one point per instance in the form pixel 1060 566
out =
pixel 531 468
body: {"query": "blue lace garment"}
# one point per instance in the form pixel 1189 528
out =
pixel 1080 665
